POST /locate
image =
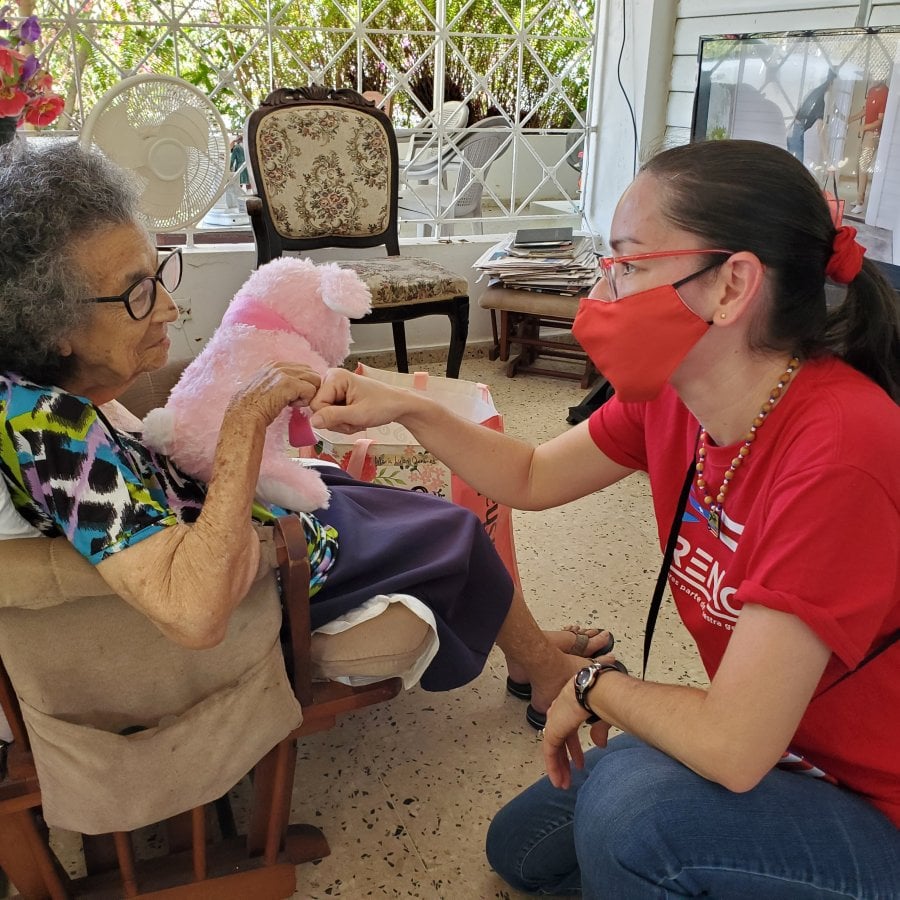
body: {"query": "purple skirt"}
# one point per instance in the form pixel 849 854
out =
pixel 394 541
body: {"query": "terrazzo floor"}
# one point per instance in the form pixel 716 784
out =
pixel 405 791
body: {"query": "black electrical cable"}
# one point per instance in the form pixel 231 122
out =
pixel 625 95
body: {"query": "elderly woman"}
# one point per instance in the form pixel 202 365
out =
pixel 84 308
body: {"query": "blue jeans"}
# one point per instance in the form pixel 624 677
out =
pixel 637 824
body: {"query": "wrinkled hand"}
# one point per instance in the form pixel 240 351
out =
pixel 561 742
pixel 347 403
pixel 274 387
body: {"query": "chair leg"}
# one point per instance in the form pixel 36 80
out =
pixel 504 335
pixel 459 333
pixel 125 854
pixel 494 352
pixel 399 330
pixel 198 848
pixel 26 858
pixel 271 798
pixel 282 782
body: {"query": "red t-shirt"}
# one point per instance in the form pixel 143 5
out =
pixel 811 527
pixel 876 102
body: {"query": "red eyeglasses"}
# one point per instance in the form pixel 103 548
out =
pixel 612 268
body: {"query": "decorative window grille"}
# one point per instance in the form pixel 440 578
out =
pixel 528 62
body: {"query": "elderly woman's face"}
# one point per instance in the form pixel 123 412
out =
pixel 113 348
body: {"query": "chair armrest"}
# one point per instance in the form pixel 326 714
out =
pixel 264 248
pixel 293 569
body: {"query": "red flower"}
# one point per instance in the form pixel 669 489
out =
pixel 44 110
pixel 11 62
pixel 12 101
pixel 25 88
pixel 41 82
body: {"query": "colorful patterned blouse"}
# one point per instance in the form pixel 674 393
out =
pixel 70 473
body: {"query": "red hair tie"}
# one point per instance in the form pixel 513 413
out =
pixel 846 256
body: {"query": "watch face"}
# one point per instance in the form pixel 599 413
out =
pixel 585 678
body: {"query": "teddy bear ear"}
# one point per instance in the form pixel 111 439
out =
pixel 344 291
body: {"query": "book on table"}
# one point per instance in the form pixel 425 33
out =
pixel 542 237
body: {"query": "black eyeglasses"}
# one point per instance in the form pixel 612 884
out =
pixel 140 298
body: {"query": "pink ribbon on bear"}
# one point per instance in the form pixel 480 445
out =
pixel 249 311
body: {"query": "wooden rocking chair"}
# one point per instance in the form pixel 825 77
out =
pixel 202 862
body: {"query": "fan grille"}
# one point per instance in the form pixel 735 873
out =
pixel 171 138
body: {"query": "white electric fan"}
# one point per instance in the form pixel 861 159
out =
pixel 172 138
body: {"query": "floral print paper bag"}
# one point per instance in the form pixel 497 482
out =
pixel 389 454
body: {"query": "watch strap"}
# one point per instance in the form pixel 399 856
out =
pixel 592 673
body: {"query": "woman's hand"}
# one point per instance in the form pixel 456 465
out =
pixel 561 742
pixel 273 388
pixel 347 403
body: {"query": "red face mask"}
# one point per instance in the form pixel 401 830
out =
pixel 639 341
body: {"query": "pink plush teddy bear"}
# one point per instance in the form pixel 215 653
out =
pixel 288 310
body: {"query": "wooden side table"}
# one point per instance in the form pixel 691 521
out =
pixel 522 316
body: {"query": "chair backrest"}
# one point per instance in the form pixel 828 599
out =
pixel 489 139
pixel 436 127
pixel 324 168
pixel 454 114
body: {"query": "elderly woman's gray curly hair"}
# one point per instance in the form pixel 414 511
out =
pixel 51 200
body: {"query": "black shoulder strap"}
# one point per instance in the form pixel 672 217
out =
pixel 656 601
pixel 653 612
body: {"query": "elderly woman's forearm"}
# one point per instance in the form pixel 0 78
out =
pixel 175 579
pixel 189 578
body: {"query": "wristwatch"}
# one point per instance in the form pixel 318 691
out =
pixel 587 678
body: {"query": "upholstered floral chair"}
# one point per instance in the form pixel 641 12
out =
pixel 324 171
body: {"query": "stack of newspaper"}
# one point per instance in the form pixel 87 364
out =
pixel 564 270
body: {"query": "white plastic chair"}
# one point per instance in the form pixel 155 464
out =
pixel 472 156
pixel 454 115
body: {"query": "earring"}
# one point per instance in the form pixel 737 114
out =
pixel 723 316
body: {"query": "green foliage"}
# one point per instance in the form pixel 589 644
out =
pixel 223 48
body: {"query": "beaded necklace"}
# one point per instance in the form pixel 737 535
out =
pixel 716 504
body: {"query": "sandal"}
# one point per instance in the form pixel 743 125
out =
pixel 534 718
pixel 522 689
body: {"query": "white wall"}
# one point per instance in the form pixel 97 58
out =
pixel 645 65
pixel 212 275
